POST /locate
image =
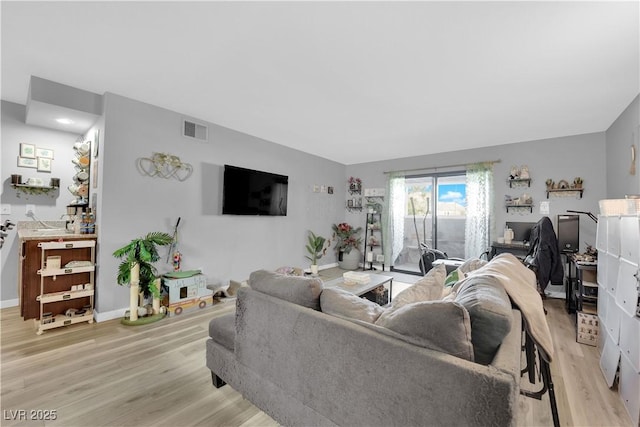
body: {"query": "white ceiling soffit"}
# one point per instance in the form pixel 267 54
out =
pixel 57 106
pixel 349 81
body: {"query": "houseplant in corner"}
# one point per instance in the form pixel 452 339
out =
pixel 347 245
pixel 137 269
pixel 317 249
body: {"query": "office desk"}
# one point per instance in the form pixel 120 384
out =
pixel 519 249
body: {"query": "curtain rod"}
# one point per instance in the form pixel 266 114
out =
pixel 435 168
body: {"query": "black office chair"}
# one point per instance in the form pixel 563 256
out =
pixel 544 256
pixel 545 261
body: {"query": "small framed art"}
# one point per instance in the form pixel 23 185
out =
pixel 44 164
pixel 27 151
pixel 26 162
pixel 44 153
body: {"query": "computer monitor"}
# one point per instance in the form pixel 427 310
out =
pixel 521 230
pixel 569 232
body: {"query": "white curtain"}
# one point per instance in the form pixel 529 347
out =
pixel 394 218
pixel 480 213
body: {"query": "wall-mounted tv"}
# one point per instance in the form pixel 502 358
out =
pixel 253 192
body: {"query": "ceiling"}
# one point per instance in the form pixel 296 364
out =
pixel 349 81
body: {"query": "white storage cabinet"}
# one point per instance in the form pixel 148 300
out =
pixel 618 244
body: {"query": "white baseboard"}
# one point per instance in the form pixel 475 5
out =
pixel 109 315
pixel 327 266
pixel 99 317
pixel 9 303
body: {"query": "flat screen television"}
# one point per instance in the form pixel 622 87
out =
pixel 253 192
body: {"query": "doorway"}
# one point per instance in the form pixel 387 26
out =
pixel 435 213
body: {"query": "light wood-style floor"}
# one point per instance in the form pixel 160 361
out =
pixel 107 374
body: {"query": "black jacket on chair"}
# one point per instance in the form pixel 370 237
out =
pixel 544 254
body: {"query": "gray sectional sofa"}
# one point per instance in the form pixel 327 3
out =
pixel 305 367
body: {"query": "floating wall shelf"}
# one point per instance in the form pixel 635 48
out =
pixel 565 191
pixel 519 182
pixel 530 207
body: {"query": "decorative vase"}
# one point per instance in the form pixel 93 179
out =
pixel 314 269
pixel 349 261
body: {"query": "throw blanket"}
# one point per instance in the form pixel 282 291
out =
pixel 520 284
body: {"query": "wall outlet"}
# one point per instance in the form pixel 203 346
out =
pixel 30 208
pixel 544 208
pixel 5 210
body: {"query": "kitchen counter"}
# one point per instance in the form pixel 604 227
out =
pixel 31 230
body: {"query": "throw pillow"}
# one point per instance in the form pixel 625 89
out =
pixel 428 288
pixel 489 308
pixel 290 271
pixel 338 302
pixel 472 264
pixel 304 291
pixel 438 325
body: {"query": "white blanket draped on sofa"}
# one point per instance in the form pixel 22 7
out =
pixel 520 284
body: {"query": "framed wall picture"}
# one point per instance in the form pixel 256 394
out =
pixel 44 153
pixel 26 162
pixel 44 164
pixel 27 151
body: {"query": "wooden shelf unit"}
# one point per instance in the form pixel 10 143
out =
pixel 78 298
pixel 373 232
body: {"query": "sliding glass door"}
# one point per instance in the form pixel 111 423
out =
pixel 435 210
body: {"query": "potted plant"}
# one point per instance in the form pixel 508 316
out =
pixel 578 182
pixel 355 184
pixel 137 267
pixel 316 248
pixel 549 183
pixel 347 245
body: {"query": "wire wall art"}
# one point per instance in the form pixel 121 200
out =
pixel 164 165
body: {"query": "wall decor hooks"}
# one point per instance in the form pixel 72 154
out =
pixel 165 166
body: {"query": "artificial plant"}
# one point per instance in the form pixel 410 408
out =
pixel 143 252
pixel 315 247
pixel 346 237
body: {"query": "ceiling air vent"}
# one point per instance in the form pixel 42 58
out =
pixel 195 130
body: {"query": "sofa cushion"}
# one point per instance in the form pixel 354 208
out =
pixel 428 288
pixel 338 302
pixel 222 329
pixel 438 325
pixel 472 264
pixel 489 308
pixel 304 291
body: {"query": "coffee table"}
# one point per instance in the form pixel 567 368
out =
pixel 360 289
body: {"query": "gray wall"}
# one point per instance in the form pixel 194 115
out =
pixel 225 247
pixel 229 247
pixel 623 133
pixel 48 207
pixel 555 158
